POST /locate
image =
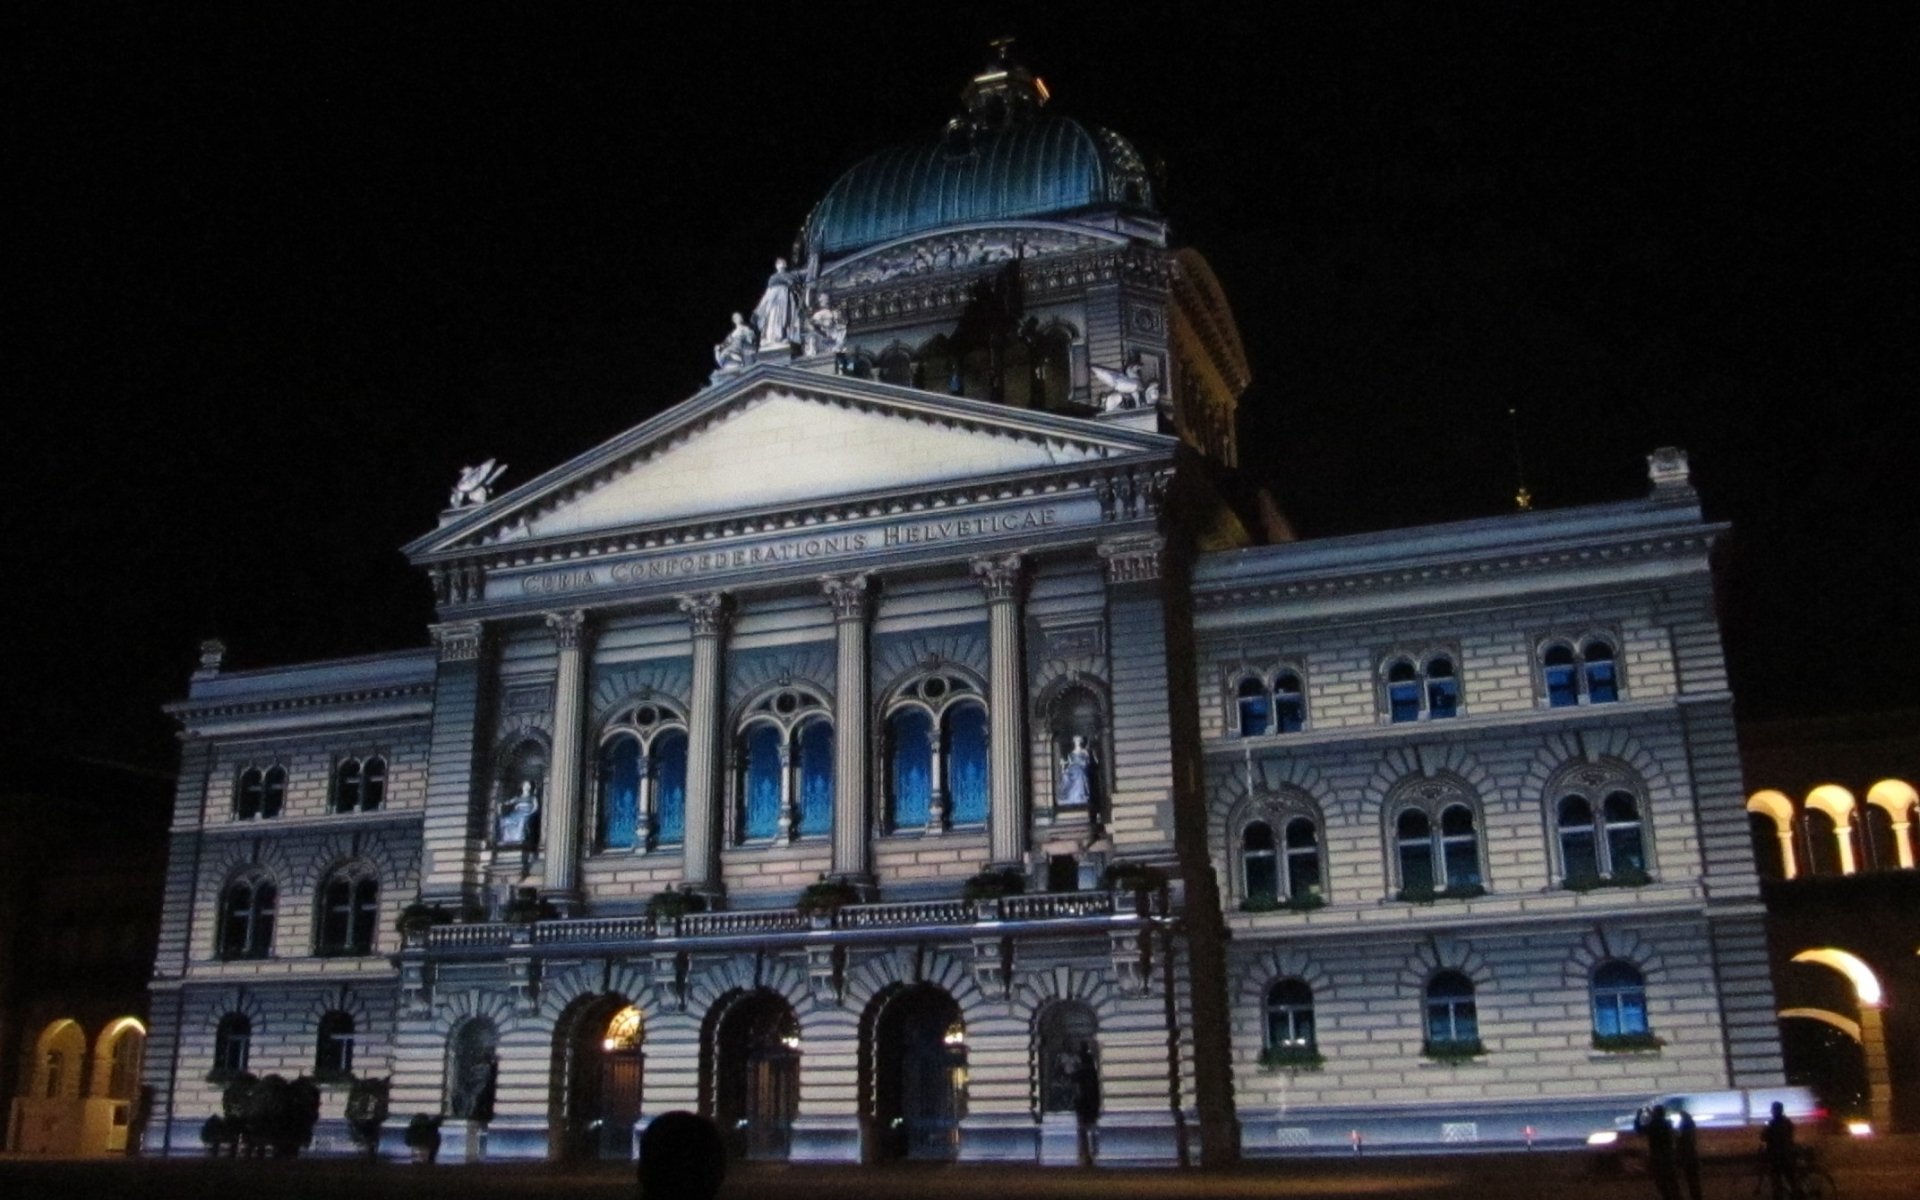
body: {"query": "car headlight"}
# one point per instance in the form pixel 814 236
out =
pixel 1606 1137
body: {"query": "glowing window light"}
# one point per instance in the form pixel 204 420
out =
pixel 623 1031
pixel 1866 985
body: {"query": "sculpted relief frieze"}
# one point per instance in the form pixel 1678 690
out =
pixel 955 252
pixel 704 561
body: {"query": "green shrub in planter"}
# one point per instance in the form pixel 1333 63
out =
pixel 671 906
pixel 991 885
pixel 1454 1051
pixel 1630 878
pixel 1292 1058
pixel 1627 1043
pixel 1261 902
pixel 366 1111
pixel 1134 877
pixel 827 896
pixel 526 906
pixel 417 918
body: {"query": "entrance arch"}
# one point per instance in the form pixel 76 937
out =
pixel 916 1081
pixel 117 1055
pixel 755 1064
pixel 597 1069
pixel 1870 997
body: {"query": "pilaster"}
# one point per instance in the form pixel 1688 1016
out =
pixel 707 617
pixel 850 597
pixel 562 854
pixel 1001 578
pixel 456 812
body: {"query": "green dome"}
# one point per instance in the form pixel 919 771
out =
pixel 1034 165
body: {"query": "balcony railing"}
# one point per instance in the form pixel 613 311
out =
pixel 753 922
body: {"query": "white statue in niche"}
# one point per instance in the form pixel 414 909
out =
pixel 777 316
pixel 826 327
pixel 515 827
pixel 1076 775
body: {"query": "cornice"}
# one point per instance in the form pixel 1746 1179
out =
pixel 190 712
pixel 947 292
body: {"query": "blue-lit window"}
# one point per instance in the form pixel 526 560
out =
pixel 816 778
pixel 1289 703
pixel 669 756
pixel 1603 682
pixel 1452 1019
pixel 909 768
pixel 965 727
pixel 760 777
pixel 1626 849
pixel 1460 845
pixel 1403 692
pixel 1256 708
pixel 1619 1000
pixel 1557 666
pixel 1259 865
pixel 619 800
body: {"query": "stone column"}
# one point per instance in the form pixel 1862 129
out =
pixel 707 615
pixel 459 793
pixel 1000 577
pixel 1873 1049
pixel 560 819
pixel 852 819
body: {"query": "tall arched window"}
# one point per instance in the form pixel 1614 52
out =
pixel 784 774
pixel 618 802
pixel 1460 847
pixel 360 786
pixel 333 1049
pixel 641 779
pixel 1453 1022
pixel 1403 691
pixel 1289 703
pixel 232 1044
pixel 1436 838
pixel 668 762
pixel 246 916
pixel 349 911
pixel 1882 849
pixel 964 728
pixel 1443 689
pixel 1259 865
pixel 1420 688
pixel 1579 671
pixel 1767 856
pixel 1276 706
pixel 1414 833
pixel 262 793
pixel 1290 1016
pixel 1256 708
pixel 1619 1001
pixel 1303 859
pixel 1558 668
pixel 910 748
pixel 1626 849
pixel 1602 832
pixel 1820 838
pixel 1579 848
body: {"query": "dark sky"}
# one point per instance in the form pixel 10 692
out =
pixel 281 270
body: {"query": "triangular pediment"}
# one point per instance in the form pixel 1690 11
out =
pixel 785 439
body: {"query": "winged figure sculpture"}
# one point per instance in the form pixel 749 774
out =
pixel 476 484
pixel 1125 388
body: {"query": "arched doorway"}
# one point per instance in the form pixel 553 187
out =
pixel 1064 1032
pixel 597 1065
pixel 756 1074
pixel 919 1073
pixel 116 1079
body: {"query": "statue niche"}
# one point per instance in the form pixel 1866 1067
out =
pixel 516 823
pixel 1077 725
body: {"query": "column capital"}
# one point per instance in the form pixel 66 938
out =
pixel 850 595
pixel 569 628
pixel 999 575
pixel 1133 559
pixel 707 612
pixel 457 641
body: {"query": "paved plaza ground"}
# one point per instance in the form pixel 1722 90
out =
pixel 1888 1169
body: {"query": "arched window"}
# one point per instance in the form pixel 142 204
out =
pixel 896 366
pixel 1256 708
pixel 232 1044
pixel 1626 851
pixel 760 779
pixel 668 760
pixel 1259 865
pixel 816 777
pixel 1443 690
pixel 262 793
pixel 1289 703
pixel 1403 691
pixel 1882 849
pixel 1559 670
pixel 965 751
pixel 333 1051
pixel 1290 1016
pixel 1453 1023
pixel 1067 1029
pixel 1821 841
pixel 784 775
pixel 246 917
pixel 1460 847
pixel 1767 857
pixel 618 803
pixel 910 747
pixel 1414 833
pixel 1303 859
pixel 1603 682
pixel 360 786
pixel 1579 848
pixel 349 910
pixel 1619 1001
pixel 473 1068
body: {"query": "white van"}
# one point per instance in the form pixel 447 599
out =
pixel 1728 1123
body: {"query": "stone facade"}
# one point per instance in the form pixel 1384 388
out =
pixel 844 750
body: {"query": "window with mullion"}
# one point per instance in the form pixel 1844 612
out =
pixel 1290 1015
pixel 1259 865
pixel 1452 1018
pixel 816 778
pixel 1619 1001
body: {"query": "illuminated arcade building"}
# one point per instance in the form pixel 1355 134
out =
pixel 845 750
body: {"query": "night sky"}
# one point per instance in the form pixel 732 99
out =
pixel 281 270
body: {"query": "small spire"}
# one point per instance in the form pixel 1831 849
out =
pixel 1522 498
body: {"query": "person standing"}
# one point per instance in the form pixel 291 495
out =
pixel 1776 1142
pixel 1652 1124
pixel 1086 1103
pixel 1687 1151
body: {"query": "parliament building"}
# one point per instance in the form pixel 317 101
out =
pixel 926 705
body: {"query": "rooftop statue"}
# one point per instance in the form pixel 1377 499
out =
pixel 826 327
pixel 475 485
pixel 735 350
pixel 777 316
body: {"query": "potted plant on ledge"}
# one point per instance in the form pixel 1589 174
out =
pixel 986 888
pixel 666 908
pixel 416 918
pixel 821 900
pixel 423 1137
